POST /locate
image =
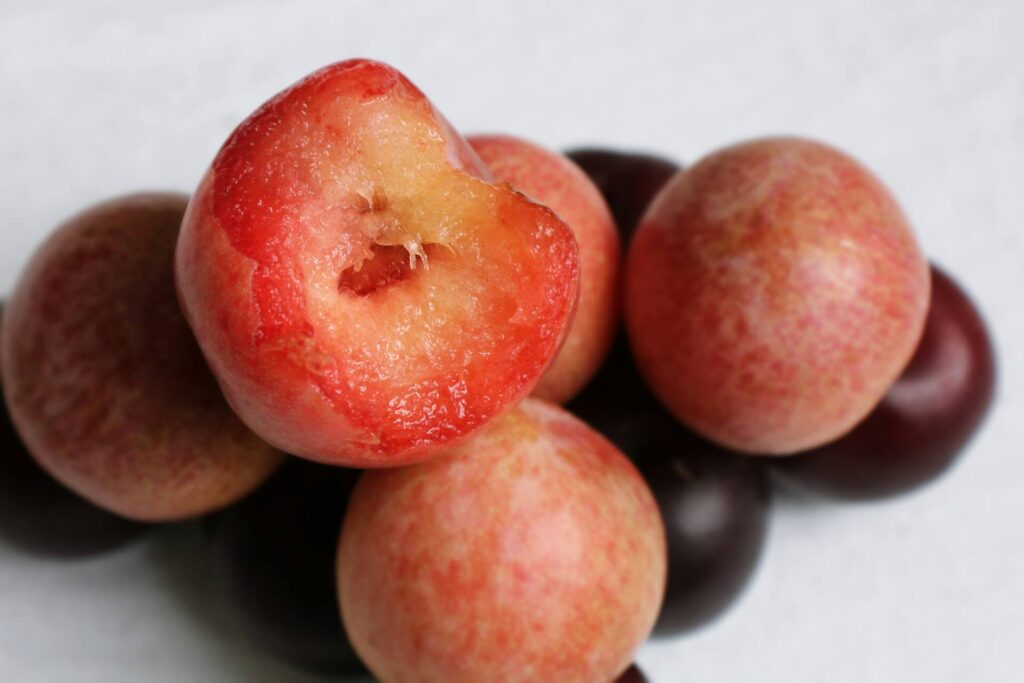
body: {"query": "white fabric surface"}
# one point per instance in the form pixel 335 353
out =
pixel 102 98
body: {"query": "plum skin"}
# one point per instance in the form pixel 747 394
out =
pixel 556 182
pixel 532 552
pixel 714 503
pixel 925 420
pixel 629 181
pixel 350 167
pixel 103 378
pixel 632 675
pixel 774 292
pixel 40 516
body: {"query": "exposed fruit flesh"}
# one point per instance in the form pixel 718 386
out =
pixel 414 298
pixel 556 182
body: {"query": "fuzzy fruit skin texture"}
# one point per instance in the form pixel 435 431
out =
pixel 42 517
pixel 533 552
pixel 297 268
pixel 774 292
pixel 925 420
pixel 104 380
pixel 556 182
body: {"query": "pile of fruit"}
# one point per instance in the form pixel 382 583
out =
pixel 401 311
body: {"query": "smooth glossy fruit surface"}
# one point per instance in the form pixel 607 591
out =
pixel 774 292
pixel 362 295
pixel 714 502
pixel 556 182
pixel 274 565
pixel 628 181
pixel 40 516
pixel 633 675
pixel 715 505
pixel 103 378
pixel 534 552
pixel 925 420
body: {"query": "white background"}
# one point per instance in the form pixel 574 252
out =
pixel 102 98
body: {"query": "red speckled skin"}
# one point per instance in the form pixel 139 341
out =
pixel 103 377
pixel 925 420
pixel 555 181
pixel 391 376
pixel 533 552
pixel 774 292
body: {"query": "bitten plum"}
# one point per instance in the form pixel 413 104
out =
pixel 556 182
pixel 363 295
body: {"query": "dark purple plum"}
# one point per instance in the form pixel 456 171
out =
pixel 923 423
pixel 41 516
pixel 628 181
pixel 714 502
pixel 715 507
pixel 632 675
pixel 273 557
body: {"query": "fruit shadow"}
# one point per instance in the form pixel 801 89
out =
pixel 179 558
pixel 58 543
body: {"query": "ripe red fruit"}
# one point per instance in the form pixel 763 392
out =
pixel 533 552
pixel 774 292
pixel 925 420
pixel 363 297
pixel 39 515
pixel 556 182
pixel 104 380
